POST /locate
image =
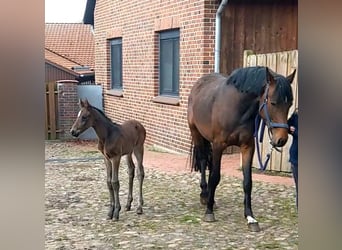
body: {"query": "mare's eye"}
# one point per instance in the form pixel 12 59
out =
pixel 273 103
pixel 84 118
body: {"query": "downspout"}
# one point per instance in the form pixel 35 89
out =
pixel 218 35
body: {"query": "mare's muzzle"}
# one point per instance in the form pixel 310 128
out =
pixel 74 133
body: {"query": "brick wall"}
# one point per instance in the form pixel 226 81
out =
pixel 138 23
pixel 67 106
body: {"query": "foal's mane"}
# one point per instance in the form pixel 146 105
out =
pixel 253 80
pixel 104 115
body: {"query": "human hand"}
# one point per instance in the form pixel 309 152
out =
pixel 292 129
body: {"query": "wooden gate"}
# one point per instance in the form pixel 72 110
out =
pixel 51 109
pixel 283 63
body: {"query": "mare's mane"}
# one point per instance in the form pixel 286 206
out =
pixel 253 80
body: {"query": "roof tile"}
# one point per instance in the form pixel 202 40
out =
pixel 73 41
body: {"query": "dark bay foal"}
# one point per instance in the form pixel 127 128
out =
pixel 114 141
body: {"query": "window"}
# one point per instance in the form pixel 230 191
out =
pixel 169 63
pixel 116 63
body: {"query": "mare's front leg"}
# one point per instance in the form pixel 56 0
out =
pixel 110 188
pixel 247 152
pixel 213 181
pixel 116 185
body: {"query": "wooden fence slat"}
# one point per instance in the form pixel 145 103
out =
pixel 46 116
pixel 52 113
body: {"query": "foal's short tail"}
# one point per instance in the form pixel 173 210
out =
pixel 200 153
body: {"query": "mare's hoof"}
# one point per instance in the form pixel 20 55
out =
pixel 209 218
pixel 215 206
pixel 139 210
pixel 254 227
pixel 128 209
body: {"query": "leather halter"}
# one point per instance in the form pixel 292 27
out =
pixel 270 125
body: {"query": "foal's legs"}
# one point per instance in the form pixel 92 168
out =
pixel 213 181
pixel 139 154
pixel 131 169
pixel 247 152
pixel 110 188
pixel 116 185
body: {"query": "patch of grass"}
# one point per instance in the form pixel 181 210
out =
pixel 92 152
pixel 288 208
pixel 271 245
pixel 270 172
pixel 190 219
pixel 62 238
pixel 150 225
pixel 155 148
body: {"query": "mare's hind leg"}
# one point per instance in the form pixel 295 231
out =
pixel 213 181
pixel 139 154
pixel 116 185
pixel 110 188
pixel 247 152
pixel 131 169
pixel 201 158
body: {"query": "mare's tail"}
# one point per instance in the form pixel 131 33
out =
pixel 201 153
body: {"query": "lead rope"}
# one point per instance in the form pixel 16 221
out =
pixel 256 133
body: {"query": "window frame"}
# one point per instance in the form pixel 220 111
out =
pixel 115 84
pixel 172 36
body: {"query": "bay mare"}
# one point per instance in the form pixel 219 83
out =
pixel 222 112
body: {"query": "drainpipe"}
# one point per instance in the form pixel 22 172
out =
pixel 218 35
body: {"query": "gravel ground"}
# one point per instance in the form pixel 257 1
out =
pixel 76 203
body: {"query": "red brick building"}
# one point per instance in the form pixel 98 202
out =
pixel 140 28
pixel 148 54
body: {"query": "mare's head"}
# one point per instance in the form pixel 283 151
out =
pixel 84 119
pixel 275 103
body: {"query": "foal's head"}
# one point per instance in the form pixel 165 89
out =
pixel 84 119
pixel 275 104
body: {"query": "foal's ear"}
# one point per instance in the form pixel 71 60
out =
pixel 291 77
pixel 80 103
pixel 83 104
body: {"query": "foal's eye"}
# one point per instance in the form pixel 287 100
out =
pixel 273 103
pixel 84 118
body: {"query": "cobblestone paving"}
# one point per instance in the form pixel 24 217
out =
pixel 76 204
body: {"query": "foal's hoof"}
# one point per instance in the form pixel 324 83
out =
pixel 110 214
pixel 128 208
pixel 209 218
pixel 139 210
pixel 254 227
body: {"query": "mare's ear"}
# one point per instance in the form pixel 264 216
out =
pixel 291 77
pixel 269 76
